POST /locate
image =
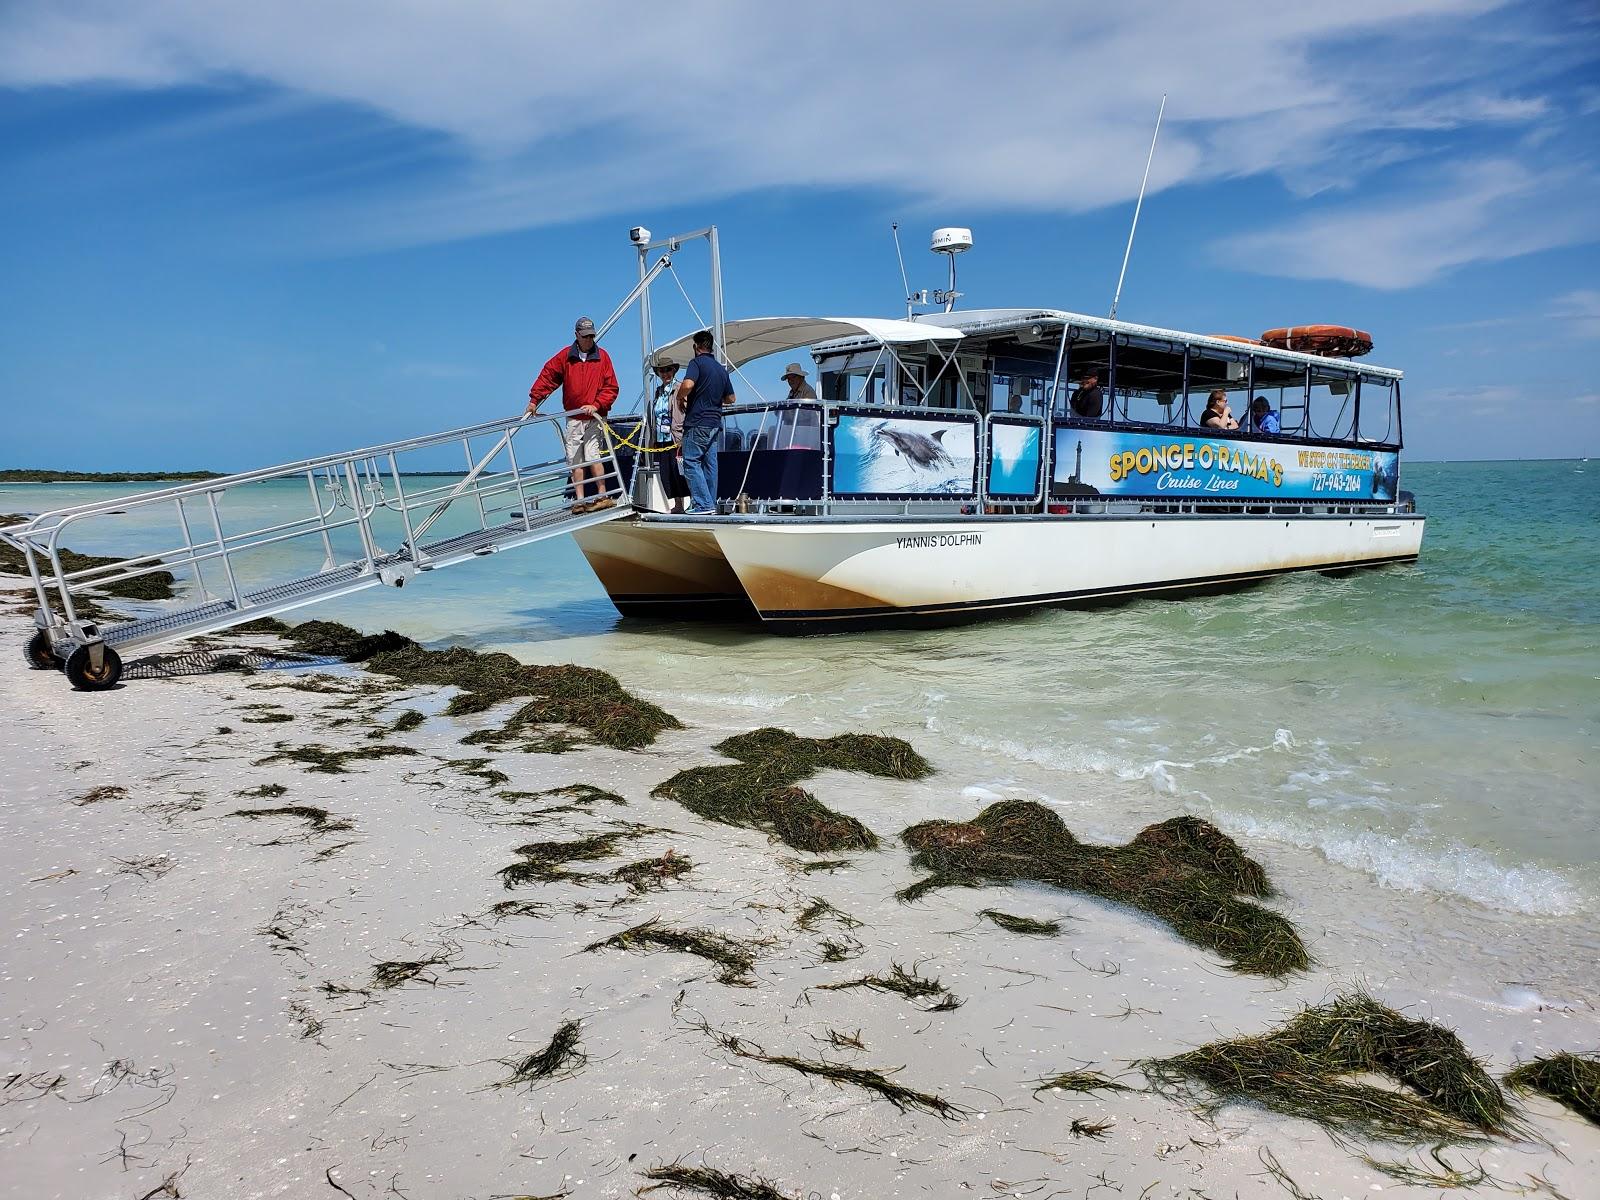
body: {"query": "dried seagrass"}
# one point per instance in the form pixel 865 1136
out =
pixel 1184 871
pixel 1569 1079
pixel 560 1057
pixel 759 792
pixel 1307 1068
pixel 581 697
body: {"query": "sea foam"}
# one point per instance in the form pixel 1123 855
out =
pixel 1450 868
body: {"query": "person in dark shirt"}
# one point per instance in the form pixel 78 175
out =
pixel 705 390
pixel 1088 401
pixel 1217 414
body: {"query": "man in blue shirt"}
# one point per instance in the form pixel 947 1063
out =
pixel 1262 416
pixel 704 391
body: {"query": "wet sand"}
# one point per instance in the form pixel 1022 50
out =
pixel 165 1011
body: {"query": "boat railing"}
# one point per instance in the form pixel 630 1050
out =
pixel 244 545
pixel 1013 465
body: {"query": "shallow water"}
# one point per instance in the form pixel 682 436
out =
pixel 1432 726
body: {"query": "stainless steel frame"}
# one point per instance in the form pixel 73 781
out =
pixel 514 495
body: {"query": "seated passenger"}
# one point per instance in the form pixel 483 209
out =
pixel 1087 401
pixel 1262 416
pixel 1217 414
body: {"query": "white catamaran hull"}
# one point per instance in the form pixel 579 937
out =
pixel 805 574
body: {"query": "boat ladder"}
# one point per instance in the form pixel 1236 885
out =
pixel 241 547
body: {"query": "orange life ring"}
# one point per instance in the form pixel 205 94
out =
pixel 1331 341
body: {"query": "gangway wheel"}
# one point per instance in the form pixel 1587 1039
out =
pixel 83 675
pixel 41 654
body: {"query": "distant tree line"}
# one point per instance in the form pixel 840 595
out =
pixel 21 475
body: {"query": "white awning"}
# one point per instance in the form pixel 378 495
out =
pixel 747 340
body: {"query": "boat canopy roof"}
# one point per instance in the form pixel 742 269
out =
pixel 756 337
pixel 993 322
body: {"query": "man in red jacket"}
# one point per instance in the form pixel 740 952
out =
pixel 588 384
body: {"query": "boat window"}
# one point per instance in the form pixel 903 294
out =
pixel 1019 394
pixel 1379 411
pixel 1282 384
pixel 1150 382
pixel 855 385
pixel 801 429
pixel 959 384
pixel 1085 348
pixel 911 390
pixel 1331 403
pixel 1210 369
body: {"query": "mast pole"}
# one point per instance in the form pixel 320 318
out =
pixel 1140 204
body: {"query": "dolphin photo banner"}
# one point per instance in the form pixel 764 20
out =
pixel 1100 462
pixel 880 457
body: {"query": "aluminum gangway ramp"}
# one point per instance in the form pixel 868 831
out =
pixel 239 547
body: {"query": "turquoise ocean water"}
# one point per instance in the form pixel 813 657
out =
pixel 1433 727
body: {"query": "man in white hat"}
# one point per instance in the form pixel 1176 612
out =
pixel 668 418
pixel 795 376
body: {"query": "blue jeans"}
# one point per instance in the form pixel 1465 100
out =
pixel 700 464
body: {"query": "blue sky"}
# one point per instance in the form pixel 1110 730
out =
pixel 236 234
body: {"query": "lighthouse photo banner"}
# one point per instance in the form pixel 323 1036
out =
pixel 1101 462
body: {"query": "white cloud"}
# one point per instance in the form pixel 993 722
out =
pixel 544 112
pixel 1579 311
pixel 1482 211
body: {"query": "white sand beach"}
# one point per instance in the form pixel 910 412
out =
pixel 167 1027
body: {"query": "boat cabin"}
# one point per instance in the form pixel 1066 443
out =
pixel 974 412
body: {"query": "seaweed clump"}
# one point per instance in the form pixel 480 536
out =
pixel 543 862
pixel 324 761
pixel 318 820
pixel 582 697
pixel 878 1083
pixel 759 790
pixel 153 585
pixel 109 791
pixel 736 958
pixel 1080 1081
pixel 901 982
pixel 560 1057
pixel 404 723
pixel 708 1181
pixel 1015 924
pixel 1304 1068
pixel 1184 871
pixel 1569 1079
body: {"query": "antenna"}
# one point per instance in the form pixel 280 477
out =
pixel 1123 273
pixel 894 229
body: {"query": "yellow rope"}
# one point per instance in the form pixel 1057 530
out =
pixel 634 445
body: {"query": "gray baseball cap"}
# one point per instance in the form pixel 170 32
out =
pixel 583 325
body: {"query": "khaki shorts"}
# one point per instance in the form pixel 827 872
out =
pixel 584 440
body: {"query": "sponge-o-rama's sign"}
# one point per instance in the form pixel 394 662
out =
pixel 1090 462
pixel 1190 456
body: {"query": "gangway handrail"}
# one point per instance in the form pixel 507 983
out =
pixel 200 487
pixel 525 501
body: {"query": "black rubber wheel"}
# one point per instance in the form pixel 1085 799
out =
pixel 82 675
pixel 39 653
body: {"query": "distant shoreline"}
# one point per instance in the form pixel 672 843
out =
pixel 38 476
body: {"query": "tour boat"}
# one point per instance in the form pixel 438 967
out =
pixel 945 474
